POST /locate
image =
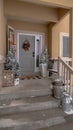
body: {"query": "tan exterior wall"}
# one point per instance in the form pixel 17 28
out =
pixel 32 27
pixel 62 26
pixel 2 30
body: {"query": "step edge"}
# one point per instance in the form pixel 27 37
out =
pixel 36 124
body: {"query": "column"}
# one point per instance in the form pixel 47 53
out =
pixel 71 39
pixel 2 38
pixel 71 34
pixel 2 29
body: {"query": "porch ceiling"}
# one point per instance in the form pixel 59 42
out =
pixel 53 3
pixel 31 12
pixel 47 11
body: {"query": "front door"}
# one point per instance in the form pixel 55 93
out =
pixel 26 54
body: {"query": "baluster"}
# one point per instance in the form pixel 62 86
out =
pixel 68 80
pixel 62 70
pixel 69 83
pixel 58 67
pixel 65 78
pixel 64 74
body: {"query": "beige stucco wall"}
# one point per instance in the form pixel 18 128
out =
pixel 62 26
pixel 31 27
pixel 2 30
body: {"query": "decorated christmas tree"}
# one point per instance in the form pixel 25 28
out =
pixel 11 63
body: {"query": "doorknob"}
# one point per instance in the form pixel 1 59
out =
pixel 33 54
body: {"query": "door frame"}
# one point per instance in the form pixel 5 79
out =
pixel 37 35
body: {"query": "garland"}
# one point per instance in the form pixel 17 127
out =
pixel 26 45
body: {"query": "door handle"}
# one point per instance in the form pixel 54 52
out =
pixel 33 54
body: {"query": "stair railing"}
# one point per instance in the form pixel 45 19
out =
pixel 65 71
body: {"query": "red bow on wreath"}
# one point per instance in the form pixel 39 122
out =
pixel 26 45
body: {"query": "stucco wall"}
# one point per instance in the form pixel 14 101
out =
pixel 28 26
pixel 62 26
pixel 2 30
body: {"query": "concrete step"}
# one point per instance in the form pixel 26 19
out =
pixel 64 126
pixel 28 104
pixel 68 125
pixel 27 88
pixel 32 120
pixel 26 93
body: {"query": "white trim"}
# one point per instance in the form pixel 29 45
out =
pixel 37 35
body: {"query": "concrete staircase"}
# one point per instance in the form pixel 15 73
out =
pixel 29 106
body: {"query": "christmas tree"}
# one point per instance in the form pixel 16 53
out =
pixel 11 63
pixel 44 57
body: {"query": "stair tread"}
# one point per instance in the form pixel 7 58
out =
pixel 63 126
pixel 30 100
pixel 28 104
pixel 27 88
pixel 51 115
pixel 29 85
pixel 35 115
pixel 24 94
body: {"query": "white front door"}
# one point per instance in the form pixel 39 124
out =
pixel 26 57
pixel 65 47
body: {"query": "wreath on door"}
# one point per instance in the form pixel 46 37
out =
pixel 26 45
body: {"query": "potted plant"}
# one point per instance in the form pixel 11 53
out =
pixel 43 63
pixel 12 64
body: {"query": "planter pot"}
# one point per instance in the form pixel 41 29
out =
pixel 58 88
pixel 58 91
pixel 43 69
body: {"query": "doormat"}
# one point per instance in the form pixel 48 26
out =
pixel 30 77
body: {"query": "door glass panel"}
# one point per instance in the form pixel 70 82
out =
pixel 65 46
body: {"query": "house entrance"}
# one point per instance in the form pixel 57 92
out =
pixel 26 54
pixel 29 49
